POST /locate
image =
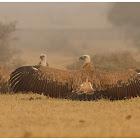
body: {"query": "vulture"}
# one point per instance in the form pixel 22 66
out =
pixel 43 60
pixel 85 84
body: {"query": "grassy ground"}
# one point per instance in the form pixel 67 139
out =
pixel 37 116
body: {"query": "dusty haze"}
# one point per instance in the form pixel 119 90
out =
pixel 126 17
pixel 63 30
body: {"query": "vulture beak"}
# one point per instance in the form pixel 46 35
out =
pixel 41 57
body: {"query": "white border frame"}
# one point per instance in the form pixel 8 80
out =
pixel 69 0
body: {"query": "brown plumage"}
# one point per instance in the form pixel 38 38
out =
pixel 85 84
pixel 88 66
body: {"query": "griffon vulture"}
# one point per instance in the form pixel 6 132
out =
pixel 84 84
pixel 43 60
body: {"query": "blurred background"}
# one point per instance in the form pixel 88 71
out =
pixel 109 32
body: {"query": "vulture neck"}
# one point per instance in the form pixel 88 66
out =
pixel 87 60
pixel 43 62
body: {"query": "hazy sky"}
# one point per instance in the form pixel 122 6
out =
pixel 56 15
pixel 94 32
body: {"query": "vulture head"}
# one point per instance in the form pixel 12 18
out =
pixel 85 58
pixel 43 57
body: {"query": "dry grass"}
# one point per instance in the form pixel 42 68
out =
pixel 37 116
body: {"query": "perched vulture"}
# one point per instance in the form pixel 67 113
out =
pixel 84 84
pixel 43 60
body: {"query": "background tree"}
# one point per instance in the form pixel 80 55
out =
pixel 8 54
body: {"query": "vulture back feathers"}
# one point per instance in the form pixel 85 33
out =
pixel 85 84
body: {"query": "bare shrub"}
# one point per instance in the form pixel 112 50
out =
pixel 8 54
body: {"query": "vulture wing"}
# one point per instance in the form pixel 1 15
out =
pixel 76 85
pixel 110 85
pixel 39 79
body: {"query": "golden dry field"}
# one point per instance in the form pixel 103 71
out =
pixel 32 115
